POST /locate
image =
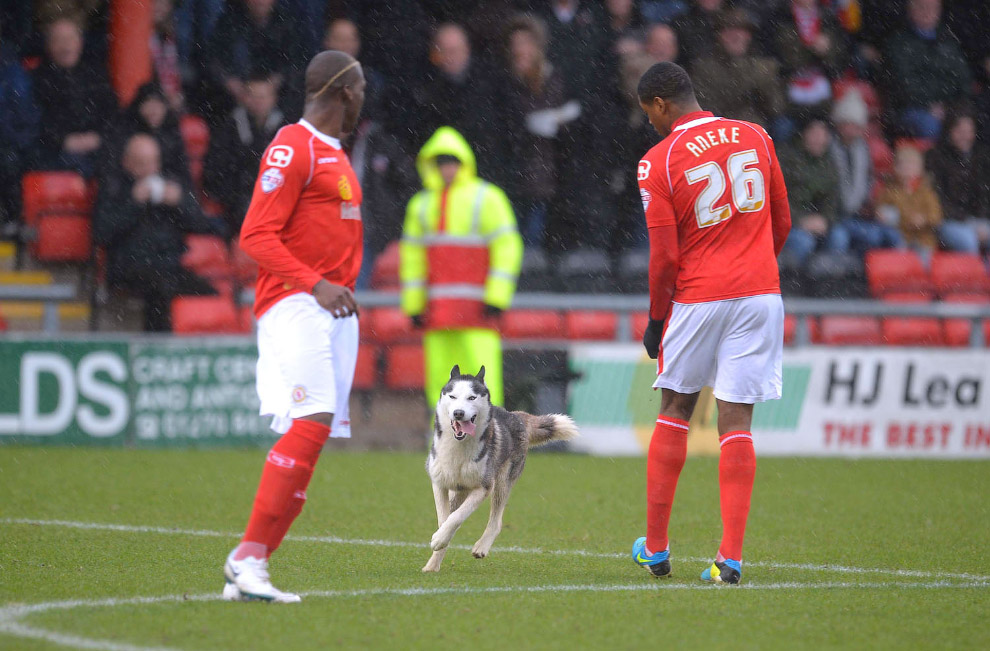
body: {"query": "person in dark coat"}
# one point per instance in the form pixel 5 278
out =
pixel 926 69
pixel 140 219
pixel 18 132
pixel 236 146
pixel 75 101
pixel 150 113
pixel 536 108
pixel 960 169
pixel 254 35
pixel 812 189
pixel 696 30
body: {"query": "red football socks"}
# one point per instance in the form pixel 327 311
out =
pixel 668 449
pixel 736 470
pixel 282 490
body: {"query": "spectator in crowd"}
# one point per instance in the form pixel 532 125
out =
pixel 661 43
pixel 623 17
pixel 75 101
pixel 662 11
pixel 236 146
pixel 140 218
pixel 926 70
pixel 734 83
pixel 909 202
pixel 856 227
pixel 960 168
pixel 696 30
pixel 812 188
pixel 172 67
pixel 18 131
pixel 150 113
pixel 255 35
pixel 812 47
pixel 342 34
pixel 536 109
pixel 455 93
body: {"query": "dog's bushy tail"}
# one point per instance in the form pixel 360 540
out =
pixel 551 427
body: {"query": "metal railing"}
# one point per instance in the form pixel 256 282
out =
pixel 624 305
pixel 49 295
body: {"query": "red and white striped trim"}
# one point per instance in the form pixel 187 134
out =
pixel 672 423
pixel 740 435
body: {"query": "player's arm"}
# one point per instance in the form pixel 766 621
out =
pixel 276 193
pixel 505 249
pixel 780 207
pixel 661 223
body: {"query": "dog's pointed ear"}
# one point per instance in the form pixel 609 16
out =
pixel 454 372
pixel 481 374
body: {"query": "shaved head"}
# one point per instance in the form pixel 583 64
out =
pixel 328 65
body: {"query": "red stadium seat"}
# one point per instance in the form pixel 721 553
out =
pixel 388 325
pixel 921 144
pixel 921 331
pixel 959 274
pixel 894 271
pixel 366 371
pixel 588 324
pixel 849 330
pixel 880 154
pixel 207 315
pixel 917 296
pixel 957 332
pixel 57 205
pixel 404 367
pixel 532 324
pixel 385 270
pixel 207 255
pixel 195 136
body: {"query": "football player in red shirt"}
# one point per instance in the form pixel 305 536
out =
pixel 303 227
pixel 717 214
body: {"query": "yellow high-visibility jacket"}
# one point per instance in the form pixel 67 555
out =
pixel 460 247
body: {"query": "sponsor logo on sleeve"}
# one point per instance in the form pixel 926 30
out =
pixel 645 195
pixel 271 179
pixel 643 171
pixel 279 156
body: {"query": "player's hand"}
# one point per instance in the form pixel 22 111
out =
pixel 652 338
pixel 335 299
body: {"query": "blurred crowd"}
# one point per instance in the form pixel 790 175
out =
pixel 880 110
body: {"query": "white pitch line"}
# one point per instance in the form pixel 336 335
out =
pixel 9 615
pixel 334 540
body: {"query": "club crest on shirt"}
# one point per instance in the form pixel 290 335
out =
pixel 344 187
pixel 643 171
pixel 645 195
pixel 271 179
pixel 298 393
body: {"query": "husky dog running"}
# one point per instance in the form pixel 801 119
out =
pixel 479 449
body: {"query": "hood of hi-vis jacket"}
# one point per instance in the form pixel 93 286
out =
pixel 445 140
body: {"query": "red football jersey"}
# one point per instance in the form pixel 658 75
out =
pixel 304 221
pixel 714 179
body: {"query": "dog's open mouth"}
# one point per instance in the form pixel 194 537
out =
pixel 463 427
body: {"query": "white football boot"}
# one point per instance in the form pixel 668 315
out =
pixel 247 580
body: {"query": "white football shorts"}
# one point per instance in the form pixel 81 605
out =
pixel 306 361
pixel 734 346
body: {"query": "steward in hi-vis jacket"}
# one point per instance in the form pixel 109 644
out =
pixel 459 260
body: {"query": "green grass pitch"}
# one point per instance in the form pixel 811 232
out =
pixel 839 554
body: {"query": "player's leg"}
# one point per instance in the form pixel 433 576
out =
pixel 685 366
pixel 750 357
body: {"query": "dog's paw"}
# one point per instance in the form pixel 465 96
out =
pixel 481 548
pixel 431 566
pixel 440 540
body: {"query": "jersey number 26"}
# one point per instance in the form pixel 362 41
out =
pixel 745 182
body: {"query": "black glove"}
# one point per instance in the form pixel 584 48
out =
pixel 491 312
pixel 417 321
pixel 652 338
